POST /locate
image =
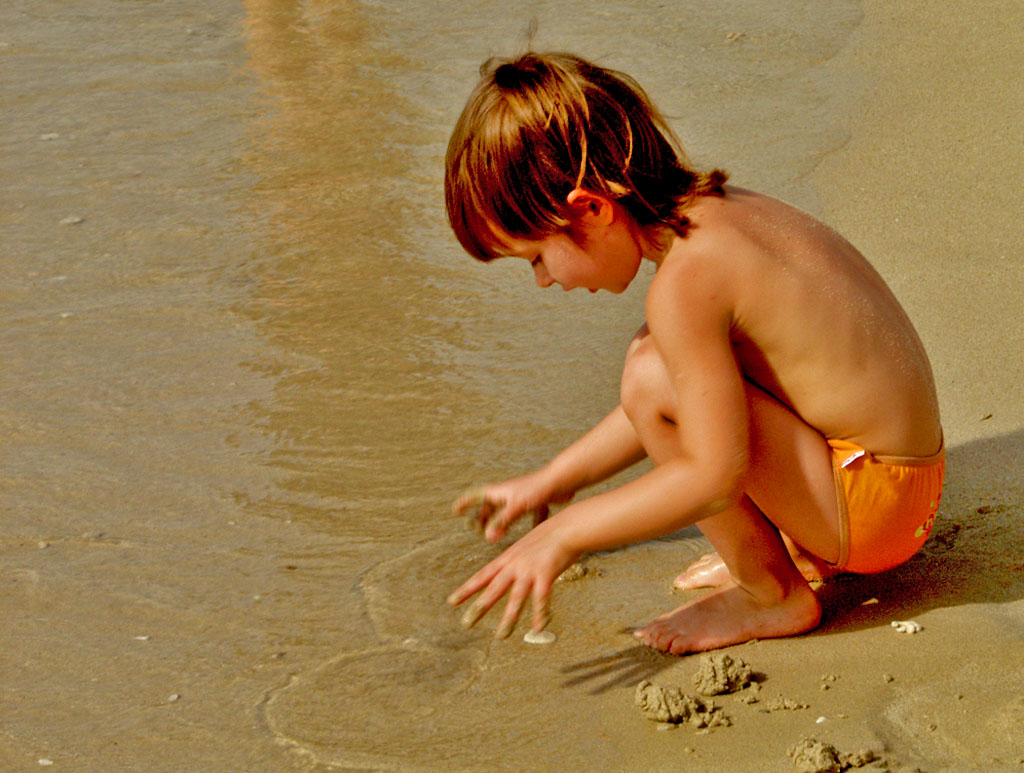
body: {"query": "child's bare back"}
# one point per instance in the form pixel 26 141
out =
pixel 777 386
pixel 814 324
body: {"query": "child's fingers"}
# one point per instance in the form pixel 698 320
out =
pixel 516 597
pixel 473 613
pixel 474 523
pixel 473 584
pixel 490 518
pixel 477 520
pixel 496 525
pixel 472 497
pixel 495 590
pixel 541 612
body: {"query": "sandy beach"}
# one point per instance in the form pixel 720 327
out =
pixel 246 368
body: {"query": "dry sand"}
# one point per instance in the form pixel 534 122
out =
pixel 193 440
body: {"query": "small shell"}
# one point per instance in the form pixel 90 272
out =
pixel 907 626
pixel 539 637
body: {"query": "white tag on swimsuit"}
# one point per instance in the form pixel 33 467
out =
pixel 852 458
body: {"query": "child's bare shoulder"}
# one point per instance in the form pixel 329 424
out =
pixel 809 320
pixel 755 244
pixel 732 242
pixel 746 219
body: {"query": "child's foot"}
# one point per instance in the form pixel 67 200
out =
pixel 709 571
pixel 731 615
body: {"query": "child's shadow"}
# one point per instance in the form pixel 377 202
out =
pixel 975 554
pixel 625 667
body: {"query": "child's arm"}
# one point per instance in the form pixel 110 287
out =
pixel 689 313
pixel 611 446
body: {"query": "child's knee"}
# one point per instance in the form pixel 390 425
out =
pixel 645 387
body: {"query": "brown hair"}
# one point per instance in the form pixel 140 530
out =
pixel 540 125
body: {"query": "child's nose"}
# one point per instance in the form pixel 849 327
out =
pixel 540 273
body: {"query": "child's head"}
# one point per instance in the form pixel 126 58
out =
pixel 538 127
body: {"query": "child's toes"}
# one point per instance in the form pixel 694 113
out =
pixel 650 634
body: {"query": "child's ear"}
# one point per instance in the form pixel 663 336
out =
pixel 590 206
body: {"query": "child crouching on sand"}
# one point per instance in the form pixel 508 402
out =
pixel 777 385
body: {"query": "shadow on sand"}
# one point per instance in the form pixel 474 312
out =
pixel 975 556
pixel 622 668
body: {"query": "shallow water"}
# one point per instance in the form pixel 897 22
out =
pixel 239 392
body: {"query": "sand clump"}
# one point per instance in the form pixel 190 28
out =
pixel 578 572
pixel 813 756
pixel 672 705
pixel 719 673
pixel 779 703
pixel 753 695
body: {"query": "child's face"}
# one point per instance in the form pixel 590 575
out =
pixel 605 260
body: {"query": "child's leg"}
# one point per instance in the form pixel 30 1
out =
pixel 710 571
pixel 789 486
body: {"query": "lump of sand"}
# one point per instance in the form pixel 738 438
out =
pixel 718 673
pixel 814 756
pixel 578 572
pixel 670 704
pixel 778 703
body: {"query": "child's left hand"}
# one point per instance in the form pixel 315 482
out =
pixel 529 567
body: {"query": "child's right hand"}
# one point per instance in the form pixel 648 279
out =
pixel 499 505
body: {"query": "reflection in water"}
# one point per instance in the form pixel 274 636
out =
pixel 406 370
pixel 362 406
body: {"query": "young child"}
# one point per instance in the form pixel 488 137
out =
pixel 777 385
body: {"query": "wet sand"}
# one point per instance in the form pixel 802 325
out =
pixel 245 367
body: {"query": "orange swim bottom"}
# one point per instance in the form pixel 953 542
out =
pixel 887 505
